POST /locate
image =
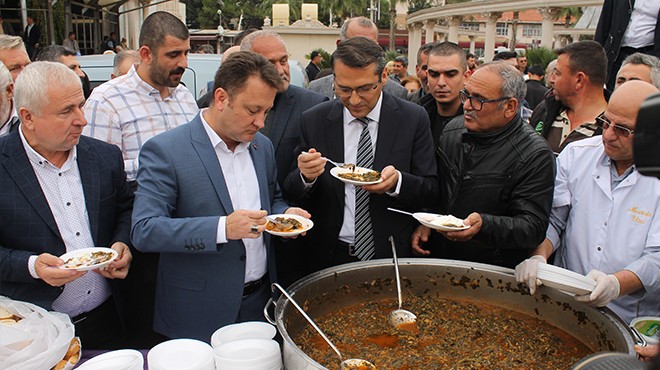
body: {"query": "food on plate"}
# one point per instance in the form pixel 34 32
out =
pixel 5 314
pixel 285 225
pixel 72 355
pixel 368 176
pixel 8 322
pixel 349 166
pixel 448 221
pixel 87 259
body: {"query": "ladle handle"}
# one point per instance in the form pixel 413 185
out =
pixel 309 320
pixel 396 270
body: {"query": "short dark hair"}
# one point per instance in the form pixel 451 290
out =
pixel 239 38
pixel 470 55
pixel 587 57
pixel 72 33
pixel 314 54
pixel 52 53
pixel 241 65
pixel 536 69
pixel 157 26
pixel 448 48
pixel 424 49
pixel 401 59
pixel 505 55
pixel 359 52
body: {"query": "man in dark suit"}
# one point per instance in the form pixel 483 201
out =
pixel 203 191
pixel 32 37
pixel 282 127
pixel 625 28
pixel 313 68
pixel 363 124
pixel 62 192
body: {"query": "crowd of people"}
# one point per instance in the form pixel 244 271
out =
pixel 180 189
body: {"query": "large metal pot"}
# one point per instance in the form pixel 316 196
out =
pixel 328 290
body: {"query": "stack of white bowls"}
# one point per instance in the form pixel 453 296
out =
pixel 123 359
pixel 246 346
pixel 181 354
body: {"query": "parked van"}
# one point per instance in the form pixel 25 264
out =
pixel 201 69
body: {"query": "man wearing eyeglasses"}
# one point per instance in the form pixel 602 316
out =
pixel 363 125
pixel 605 220
pixel 495 172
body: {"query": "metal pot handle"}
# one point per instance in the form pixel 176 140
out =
pixel 266 315
pixel 638 337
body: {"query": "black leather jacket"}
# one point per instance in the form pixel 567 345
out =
pixel 507 176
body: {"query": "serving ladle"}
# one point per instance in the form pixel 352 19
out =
pixel 400 318
pixel 349 364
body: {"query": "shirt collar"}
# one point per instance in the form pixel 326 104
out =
pixel 374 115
pixel 216 140
pixel 38 160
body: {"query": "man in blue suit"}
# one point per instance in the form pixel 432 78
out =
pixel 60 192
pixel 282 127
pixel 203 191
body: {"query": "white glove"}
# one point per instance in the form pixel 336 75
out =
pixel 607 288
pixel 527 271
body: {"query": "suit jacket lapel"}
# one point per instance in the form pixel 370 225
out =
pixel 206 153
pixel 19 168
pixel 258 156
pixel 334 135
pixel 87 165
pixel 282 112
pixel 387 129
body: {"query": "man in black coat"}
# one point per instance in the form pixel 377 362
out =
pixel 495 173
pixel 536 90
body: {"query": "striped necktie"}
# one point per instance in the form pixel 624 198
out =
pixel 364 235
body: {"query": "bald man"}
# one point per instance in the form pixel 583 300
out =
pixel 354 27
pixel 605 220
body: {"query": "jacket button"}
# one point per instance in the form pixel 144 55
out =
pixel 243 258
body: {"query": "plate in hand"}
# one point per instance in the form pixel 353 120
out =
pixel 565 280
pixel 88 258
pixel 306 225
pixel 440 222
pixel 336 171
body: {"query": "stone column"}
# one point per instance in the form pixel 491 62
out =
pixel 414 43
pixel 472 44
pixel 429 26
pixel 145 10
pixel 454 22
pixel 547 26
pixel 489 43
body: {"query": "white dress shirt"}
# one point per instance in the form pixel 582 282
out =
pixel 63 190
pixel 595 225
pixel 641 27
pixel 127 112
pixel 243 186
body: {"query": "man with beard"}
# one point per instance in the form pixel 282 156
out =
pixel 495 173
pixel 569 113
pixel 282 127
pixel 446 74
pixel 131 109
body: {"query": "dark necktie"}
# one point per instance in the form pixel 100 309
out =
pixel 364 236
pixel 13 124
